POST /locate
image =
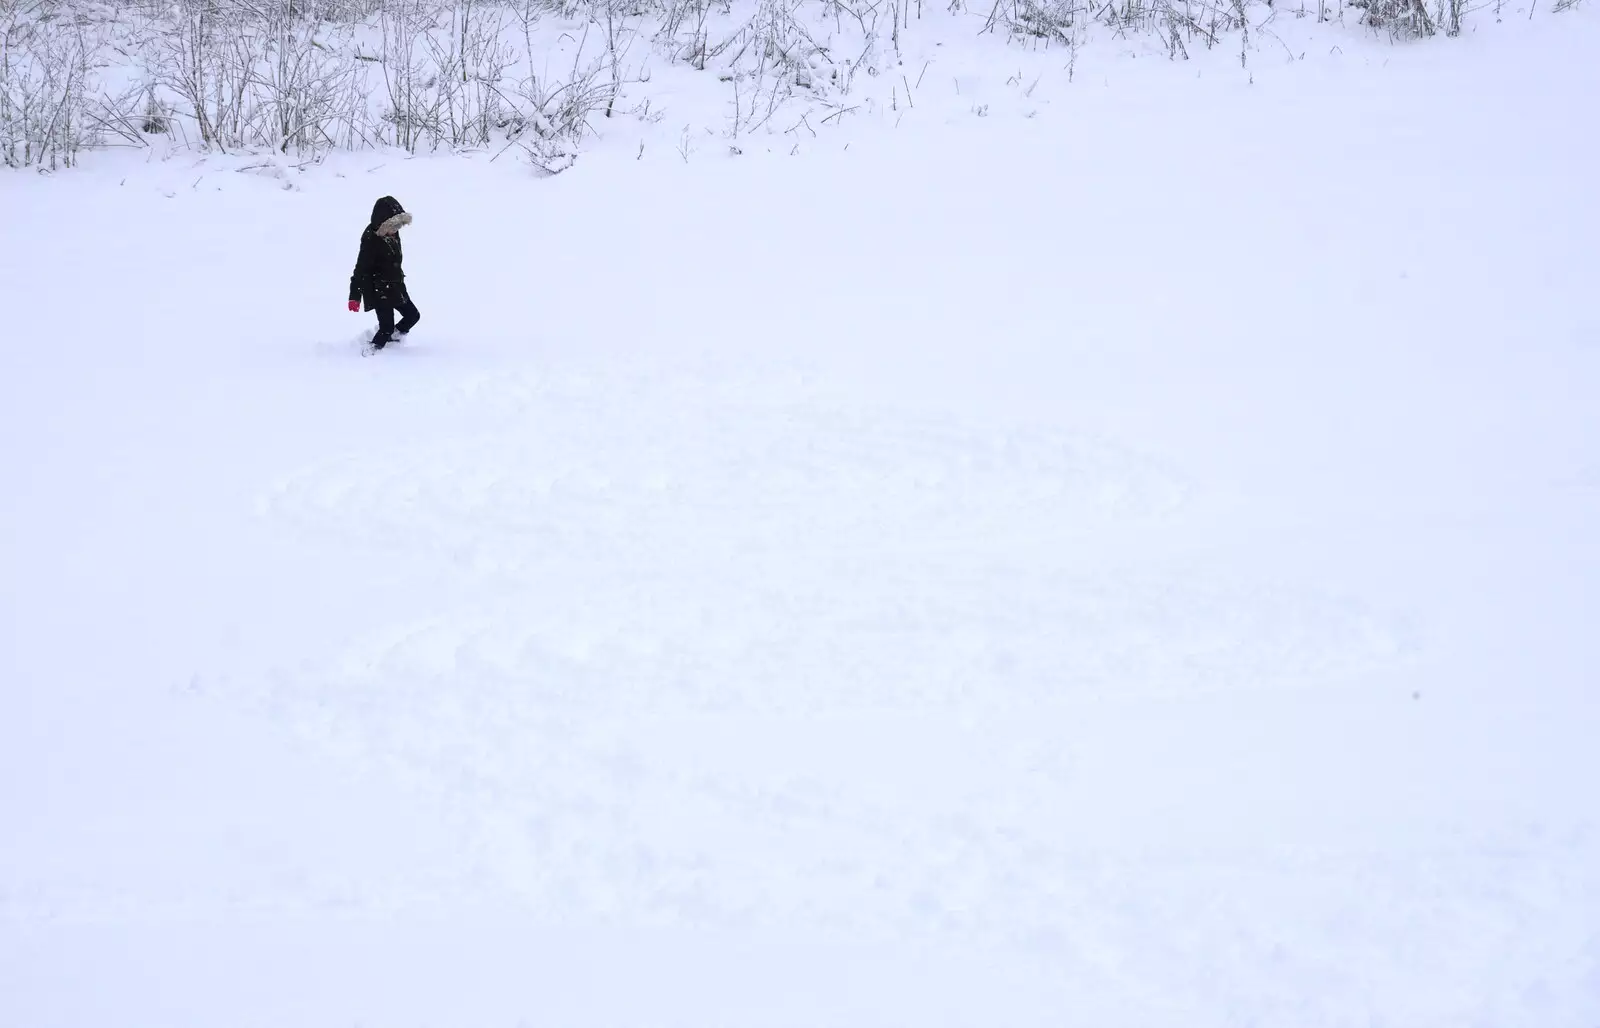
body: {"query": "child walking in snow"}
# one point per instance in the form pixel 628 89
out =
pixel 378 278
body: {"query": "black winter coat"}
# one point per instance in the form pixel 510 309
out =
pixel 379 280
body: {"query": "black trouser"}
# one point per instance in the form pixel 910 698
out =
pixel 409 316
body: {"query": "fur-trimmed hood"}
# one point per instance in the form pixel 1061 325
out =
pixel 388 217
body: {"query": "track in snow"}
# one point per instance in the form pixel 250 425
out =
pixel 747 613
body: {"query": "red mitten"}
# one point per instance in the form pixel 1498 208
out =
pixel 355 306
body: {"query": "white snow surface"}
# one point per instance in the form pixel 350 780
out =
pixel 1128 561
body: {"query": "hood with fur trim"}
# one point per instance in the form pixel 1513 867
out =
pixel 388 217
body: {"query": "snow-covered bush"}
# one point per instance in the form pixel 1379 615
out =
pixel 304 76
pixel 1052 21
pixel 1178 24
pixel 1407 19
pixel 49 105
pixel 258 76
pixel 446 72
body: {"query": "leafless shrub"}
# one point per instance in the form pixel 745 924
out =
pixel 156 120
pixel 1450 16
pixel 683 30
pixel 259 74
pixel 770 59
pixel 1402 19
pixel 47 86
pixel 302 93
pixel 402 24
pixel 547 117
pixel 443 70
pixel 116 119
pixel 1052 21
pixel 562 110
pixel 290 75
pixel 468 59
pixel 1178 24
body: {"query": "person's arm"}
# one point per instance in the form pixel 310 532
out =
pixel 361 275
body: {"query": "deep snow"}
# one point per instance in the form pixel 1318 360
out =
pixel 1129 561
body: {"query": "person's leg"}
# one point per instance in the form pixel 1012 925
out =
pixel 409 315
pixel 385 324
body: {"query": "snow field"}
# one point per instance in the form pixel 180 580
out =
pixel 1129 565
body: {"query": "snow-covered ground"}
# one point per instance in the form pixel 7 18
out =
pixel 1130 558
